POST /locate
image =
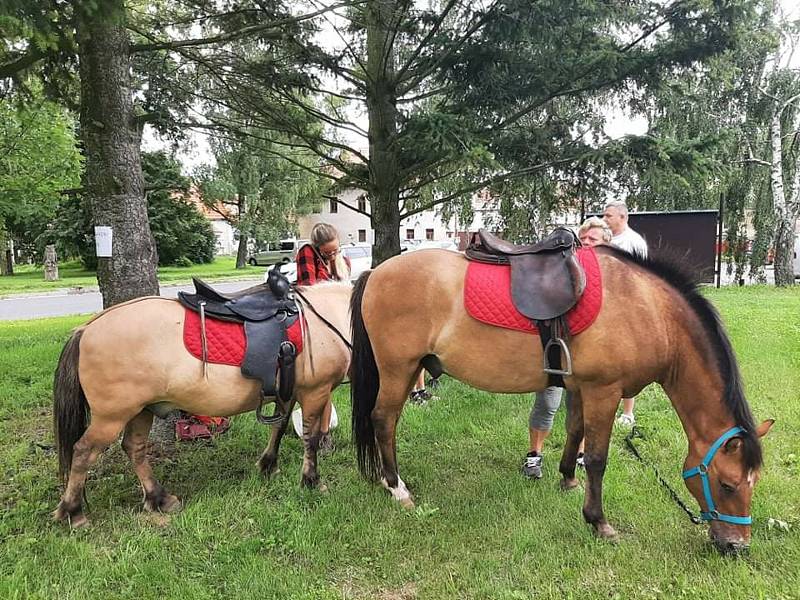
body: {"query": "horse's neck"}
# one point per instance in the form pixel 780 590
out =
pixel 696 389
pixel 332 301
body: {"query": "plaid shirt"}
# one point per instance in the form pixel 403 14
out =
pixel 311 268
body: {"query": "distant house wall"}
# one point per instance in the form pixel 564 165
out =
pixel 355 227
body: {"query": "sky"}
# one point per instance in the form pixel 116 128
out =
pixel 619 122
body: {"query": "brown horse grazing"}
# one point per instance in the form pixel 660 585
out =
pixel 132 355
pixel 653 326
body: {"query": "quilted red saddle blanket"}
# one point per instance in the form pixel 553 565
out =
pixel 225 341
pixel 487 296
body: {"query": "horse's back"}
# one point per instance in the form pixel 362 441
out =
pixel 133 355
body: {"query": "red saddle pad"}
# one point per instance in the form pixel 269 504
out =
pixel 487 296
pixel 225 341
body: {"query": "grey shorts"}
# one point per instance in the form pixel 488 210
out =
pixel 545 407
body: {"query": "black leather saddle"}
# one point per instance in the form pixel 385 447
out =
pixel 546 278
pixel 266 310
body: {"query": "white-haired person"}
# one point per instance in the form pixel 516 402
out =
pixel 593 232
pixel 615 214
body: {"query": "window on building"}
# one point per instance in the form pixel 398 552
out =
pixel 429 234
pixel 362 205
pixel 334 206
pixel 409 234
pixel 362 235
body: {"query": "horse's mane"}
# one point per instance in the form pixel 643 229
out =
pixel 685 283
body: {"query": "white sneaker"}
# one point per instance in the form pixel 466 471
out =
pixel 532 466
pixel 626 420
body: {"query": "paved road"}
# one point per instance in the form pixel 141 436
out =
pixel 65 303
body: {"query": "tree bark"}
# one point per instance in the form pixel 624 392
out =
pixel 241 251
pixel 6 267
pixel 50 263
pixel 786 209
pixel 113 175
pixel 384 160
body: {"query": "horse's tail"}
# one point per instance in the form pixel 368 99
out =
pixel 364 384
pixel 70 409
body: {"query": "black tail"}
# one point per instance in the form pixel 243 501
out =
pixel 364 384
pixel 70 409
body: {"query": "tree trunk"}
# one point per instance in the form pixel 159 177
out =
pixel 50 263
pixel 5 265
pixel 241 251
pixel 384 160
pixel 786 210
pixel 113 177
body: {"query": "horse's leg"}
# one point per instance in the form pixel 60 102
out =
pixel 268 462
pixel 100 434
pixel 134 442
pixel 599 408
pixel 574 437
pixel 313 403
pixel 391 398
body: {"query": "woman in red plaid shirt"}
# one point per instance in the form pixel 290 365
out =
pixel 322 260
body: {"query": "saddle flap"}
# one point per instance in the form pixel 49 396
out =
pixel 545 286
pixel 264 339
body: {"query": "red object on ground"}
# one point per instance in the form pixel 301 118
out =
pixel 487 296
pixel 226 345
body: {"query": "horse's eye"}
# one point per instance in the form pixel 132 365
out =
pixel 727 487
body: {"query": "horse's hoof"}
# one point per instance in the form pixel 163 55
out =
pixel 569 484
pixel 267 467
pixel 606 532
pixel 407 503
pixel 164 503
pixel 323 489
pixel 74 517
pixel 78 521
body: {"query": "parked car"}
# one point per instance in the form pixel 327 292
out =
pixel 360 256
pixel 275 252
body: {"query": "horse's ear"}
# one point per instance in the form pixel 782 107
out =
pixel 765 426
pixel 732 445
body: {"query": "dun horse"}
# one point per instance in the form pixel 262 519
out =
pixel 132 356
pixel 653 326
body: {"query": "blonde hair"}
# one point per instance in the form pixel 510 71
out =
pixel 323 233
pixel 593 222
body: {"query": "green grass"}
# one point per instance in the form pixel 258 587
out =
pixel 30 278
pixel 480 529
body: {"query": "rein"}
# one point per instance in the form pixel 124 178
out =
pixel 634 433
pixel 712 514
pixel 330 325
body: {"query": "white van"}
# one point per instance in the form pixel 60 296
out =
pixel 796 262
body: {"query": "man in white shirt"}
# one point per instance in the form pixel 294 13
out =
pixel 615 214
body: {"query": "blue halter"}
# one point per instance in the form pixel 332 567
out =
pixel 702 470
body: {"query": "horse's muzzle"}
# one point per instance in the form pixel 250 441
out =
pixel 728 545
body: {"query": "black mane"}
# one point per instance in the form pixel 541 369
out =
pixel 685 283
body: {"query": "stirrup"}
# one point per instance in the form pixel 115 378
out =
pixel 557 341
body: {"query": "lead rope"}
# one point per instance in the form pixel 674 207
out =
pixel 634 433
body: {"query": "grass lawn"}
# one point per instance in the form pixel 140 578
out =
pixel 30 278
pixel 480 529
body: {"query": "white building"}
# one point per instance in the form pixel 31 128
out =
pixel 355 227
